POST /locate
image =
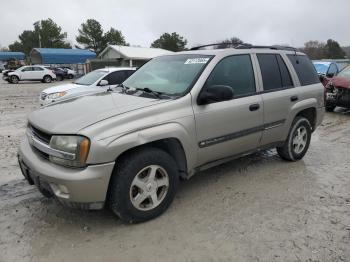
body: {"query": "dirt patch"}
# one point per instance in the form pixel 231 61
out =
pixel 257 208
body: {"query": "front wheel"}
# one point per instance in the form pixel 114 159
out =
pixel 14 79
pixel 143 185
pixel 298 140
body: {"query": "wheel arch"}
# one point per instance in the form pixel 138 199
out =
pixel 171 145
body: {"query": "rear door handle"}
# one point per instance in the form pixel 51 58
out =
pixel 294 98
pixel 254 107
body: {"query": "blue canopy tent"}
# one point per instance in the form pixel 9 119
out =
pixel 5 56
pixel 60 56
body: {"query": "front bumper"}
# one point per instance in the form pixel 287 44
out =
pixel 83 188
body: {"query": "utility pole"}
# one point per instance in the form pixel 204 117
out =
pixel 38 24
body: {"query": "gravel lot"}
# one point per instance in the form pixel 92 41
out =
pixel 258 208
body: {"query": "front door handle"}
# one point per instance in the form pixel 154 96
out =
pixel 294 98
pixel 254 107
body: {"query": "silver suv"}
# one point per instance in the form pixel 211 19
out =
pixel 178 114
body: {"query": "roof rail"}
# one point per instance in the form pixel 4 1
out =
pixel 246 46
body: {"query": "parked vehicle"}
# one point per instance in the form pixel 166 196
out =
pixel 326 70
pixel 68 72
pixel 30 73
pixel 95 81
pixel 60 73
pixel 338 90
pixel 176 115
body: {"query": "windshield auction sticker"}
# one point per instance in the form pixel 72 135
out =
pixel 196 61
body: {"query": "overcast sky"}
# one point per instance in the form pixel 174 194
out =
pixel 262 22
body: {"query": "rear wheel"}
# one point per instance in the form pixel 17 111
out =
pixel 143 185
pixel 70 76
pixel 14 79
pixel 298 140
pixel 47 79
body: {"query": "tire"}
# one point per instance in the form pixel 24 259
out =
pixel 292 150
pixel 59 78
pixel 70 76
pixel 47 79
pixel 14 79
pixel 330 108
pixel 132 173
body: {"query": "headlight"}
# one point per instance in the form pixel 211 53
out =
pixel 55 95
pixel 76 147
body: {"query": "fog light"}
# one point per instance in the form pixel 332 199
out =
pixel 60 190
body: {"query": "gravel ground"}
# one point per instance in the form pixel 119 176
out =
pixel 257 208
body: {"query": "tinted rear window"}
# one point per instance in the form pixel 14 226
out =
pixel 274 72
pixel 305 70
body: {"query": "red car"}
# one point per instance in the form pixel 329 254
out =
pixel 338 90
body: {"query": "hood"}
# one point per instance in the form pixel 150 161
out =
pixel 60 88
pixel 340 81
pixel 70 116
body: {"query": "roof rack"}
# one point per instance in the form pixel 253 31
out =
pixel 246 46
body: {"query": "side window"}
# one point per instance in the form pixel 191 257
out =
pixel 27 69
pixel 274 72
pixel 129 72
pixel 332 69
pixel 38 69
pixel 116 78
pixel 234 71
pixel 305 70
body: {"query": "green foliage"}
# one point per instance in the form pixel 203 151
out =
pixel 91 36
pixel 50 34
pixel 114 37
pixel 333 50
pixel 173 42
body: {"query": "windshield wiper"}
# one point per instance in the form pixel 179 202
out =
pixel 150 91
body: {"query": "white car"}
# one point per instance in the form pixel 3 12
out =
pixel 95 81
pixel 31 73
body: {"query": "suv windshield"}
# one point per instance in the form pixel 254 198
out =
pixel 90 78
pixel 345 72
pixel 171 75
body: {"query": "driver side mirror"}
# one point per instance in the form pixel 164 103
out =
pixel 214 94
pixel 103 83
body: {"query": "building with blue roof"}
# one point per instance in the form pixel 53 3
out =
pixel 5 56
pixel 50 56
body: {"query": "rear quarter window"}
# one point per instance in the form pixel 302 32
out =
pixel 304 68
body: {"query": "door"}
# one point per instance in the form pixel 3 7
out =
pixel 26 73
pixel 38 73
pixel 278 95
pixel 231 127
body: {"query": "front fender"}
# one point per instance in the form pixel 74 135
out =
pixel 108 149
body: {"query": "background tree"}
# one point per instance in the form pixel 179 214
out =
pixel 91 35
pixel 234 41
pixel 314 49
pixel 173 42
pixel 333 50
pixel 114 37
pixel 50 33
